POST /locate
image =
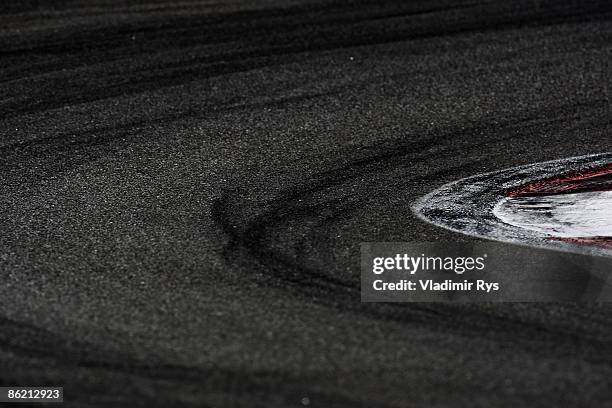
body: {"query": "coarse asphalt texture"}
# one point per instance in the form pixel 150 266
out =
pixel 184 187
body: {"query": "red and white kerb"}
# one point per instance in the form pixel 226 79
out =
pixel 575 207
pixel 563 204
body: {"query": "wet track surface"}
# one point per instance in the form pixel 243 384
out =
pixel 184 187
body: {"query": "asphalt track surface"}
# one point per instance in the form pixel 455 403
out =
pixel 184 187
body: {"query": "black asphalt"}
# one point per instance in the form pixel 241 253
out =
pixel 184 187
